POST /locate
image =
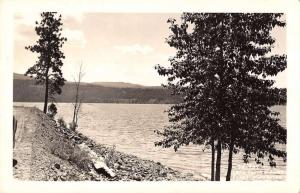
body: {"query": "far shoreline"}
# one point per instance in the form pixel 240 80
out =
pixel 111 103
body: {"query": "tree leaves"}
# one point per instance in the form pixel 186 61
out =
pixel 219 70
pixel 50 55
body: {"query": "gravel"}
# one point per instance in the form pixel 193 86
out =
pixel 48 163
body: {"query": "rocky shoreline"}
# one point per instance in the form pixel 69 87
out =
pixel 57 155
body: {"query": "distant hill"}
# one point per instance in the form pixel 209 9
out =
pixel 25 90
pixel 118 84
pixel 21 77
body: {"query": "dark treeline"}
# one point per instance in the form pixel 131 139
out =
pixel 24 90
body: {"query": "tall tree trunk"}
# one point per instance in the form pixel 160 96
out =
pixel 218 161
pixel 212 161
pixel 230 160
pixel 46 93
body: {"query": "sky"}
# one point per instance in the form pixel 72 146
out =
pixel 113 47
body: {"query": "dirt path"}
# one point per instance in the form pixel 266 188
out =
pixel 23 142
pixel 32 142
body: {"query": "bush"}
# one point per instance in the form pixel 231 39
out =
pixel 64 150
pixel 110 157
pixel 72 126
pixel 61 122
pixel 52 110
pixel 81 159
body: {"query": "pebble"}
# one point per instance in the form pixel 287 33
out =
pixel 57 166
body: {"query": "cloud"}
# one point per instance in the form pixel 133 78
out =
pixel 74 37
pixel 26 18
pixel 29 18
pixel 72 18
pixel 24 32
pixel 135 49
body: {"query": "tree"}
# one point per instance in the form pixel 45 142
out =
pixel 220 71
pixel 47 69
pixel 77 99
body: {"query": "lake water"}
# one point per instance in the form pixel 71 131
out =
pixel 130 127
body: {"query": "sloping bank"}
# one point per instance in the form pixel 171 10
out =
pixel 58 153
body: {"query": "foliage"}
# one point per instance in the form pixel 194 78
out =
pixel 81 159
pixel 64 150
pixel 52 110
pixel 72 126
pixel 47 69
pixel 220 71
pixel 61 122
pixel 61 148
pixel 110 157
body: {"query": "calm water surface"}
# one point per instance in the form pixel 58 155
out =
pixel 130 127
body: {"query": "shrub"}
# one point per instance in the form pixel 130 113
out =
pixel 61 122
pixel 81 159
pixel 52 110
pixel 72 126
pixel 110 157
pixel 64 150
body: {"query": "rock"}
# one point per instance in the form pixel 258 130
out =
pixel 84 138
pixel 71 136
pixel 120 161
pixel 170 176
pixel 164 174
pixel 90 145
pixel 57 166
pixel 121 167
pixel 79 142
pixel 98 161
pixel 116 165
pixel 136 177
pixel 14 162
pixel 77 138
pixel 101 170
pixel 101 167
pixel 189 175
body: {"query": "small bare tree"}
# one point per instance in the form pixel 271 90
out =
pixel 77 99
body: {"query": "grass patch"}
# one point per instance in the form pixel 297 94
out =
pixel 110 157
pixel 64 150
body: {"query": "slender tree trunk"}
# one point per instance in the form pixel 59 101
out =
pixel 230 160
pixel 218 161
pixel 212 161
pixel 74 113
pixel 76 99
pixel 46 92
pixel 77 103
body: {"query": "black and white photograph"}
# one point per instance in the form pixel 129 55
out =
pixel 140 97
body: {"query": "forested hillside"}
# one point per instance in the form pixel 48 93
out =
pixel 24 90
